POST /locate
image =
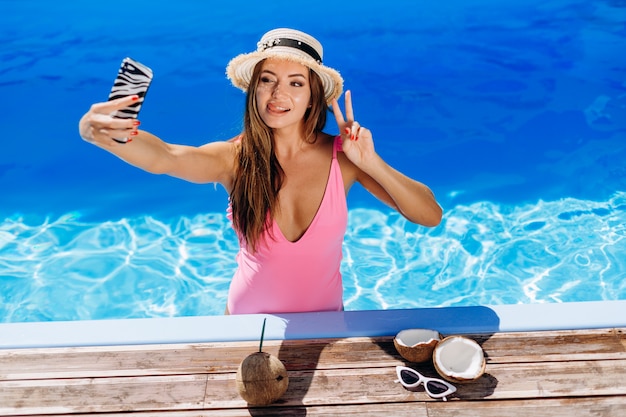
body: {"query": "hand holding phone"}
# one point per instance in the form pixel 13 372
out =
pixel 133 78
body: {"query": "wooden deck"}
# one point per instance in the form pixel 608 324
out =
pixel 557 373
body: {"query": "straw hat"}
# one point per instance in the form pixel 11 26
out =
pixel 286 44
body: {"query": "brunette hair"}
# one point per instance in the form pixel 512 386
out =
pixel 259 176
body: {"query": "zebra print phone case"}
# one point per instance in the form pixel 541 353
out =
pixel 133 78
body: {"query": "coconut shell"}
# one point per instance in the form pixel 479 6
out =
pixel 261 379
pixel 421 351
pixel 457 379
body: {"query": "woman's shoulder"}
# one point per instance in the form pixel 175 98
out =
pixel 349 171
pixel 218 160
pixel 224 145
pixel 325 139
pixel 235 140
pixel 221 148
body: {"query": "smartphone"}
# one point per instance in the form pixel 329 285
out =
pixel 133 78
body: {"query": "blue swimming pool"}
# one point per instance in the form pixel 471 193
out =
pixel 513 112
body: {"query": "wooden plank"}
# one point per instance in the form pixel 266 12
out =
pixel 324 374
pixel 306 388
pixel 111 361
pixel 544 380
pixel 321 387
pixel 193 358
pixel 580 407
pixel 364 410
pixel 106 361
pixel 512 381
pixel 562 407
pixel 554 345
pixel 89 395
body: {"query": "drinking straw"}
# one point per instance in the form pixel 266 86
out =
pixel 262 334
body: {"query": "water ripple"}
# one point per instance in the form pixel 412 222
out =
pixel 486 253
pixel 483 253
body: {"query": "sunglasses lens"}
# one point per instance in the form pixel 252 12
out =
pixel 408 377
pixel 437 387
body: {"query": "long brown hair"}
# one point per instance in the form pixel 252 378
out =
pixel 259 176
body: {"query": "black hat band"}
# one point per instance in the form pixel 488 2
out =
pixel 292 43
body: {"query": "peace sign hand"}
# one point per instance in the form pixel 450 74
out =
pixel 357 141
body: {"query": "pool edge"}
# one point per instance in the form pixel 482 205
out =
pixel 371 323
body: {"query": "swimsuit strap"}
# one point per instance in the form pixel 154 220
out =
pixel 337 146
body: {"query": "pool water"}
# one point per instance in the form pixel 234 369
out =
pixel 514 113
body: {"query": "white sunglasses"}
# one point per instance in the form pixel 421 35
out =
pixel 436 388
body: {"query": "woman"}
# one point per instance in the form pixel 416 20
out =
pixel 287 180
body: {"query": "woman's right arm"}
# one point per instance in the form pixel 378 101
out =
pixel 213 162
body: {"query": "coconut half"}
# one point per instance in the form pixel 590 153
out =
pixel 459 359
pixel 416 345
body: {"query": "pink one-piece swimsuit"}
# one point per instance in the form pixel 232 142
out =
pixel 301 276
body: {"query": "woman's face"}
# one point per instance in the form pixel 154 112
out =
pixel 283 93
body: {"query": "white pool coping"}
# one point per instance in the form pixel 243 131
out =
pixel 447 320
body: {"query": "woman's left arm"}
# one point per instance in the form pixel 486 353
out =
pixel 411 198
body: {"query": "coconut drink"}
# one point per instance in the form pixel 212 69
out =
pixel 416 345
pixel 459 359
pixel 261 377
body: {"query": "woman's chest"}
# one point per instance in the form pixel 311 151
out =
pixel 300 198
